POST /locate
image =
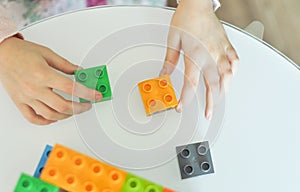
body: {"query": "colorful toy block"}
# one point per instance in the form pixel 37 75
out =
pixel 137 184
pixel 73 171
pixel 95 78
pixel 194 160
pixel 42 161
pixel 27 183
pixel 157 94
pixel 168 190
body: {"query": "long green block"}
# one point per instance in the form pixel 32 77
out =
pixel 27 183
pixel 134 183
pixel 95 78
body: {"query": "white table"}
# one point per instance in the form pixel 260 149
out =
pixel 256 150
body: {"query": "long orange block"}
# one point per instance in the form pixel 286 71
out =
pixel 75 172
pixel 157 94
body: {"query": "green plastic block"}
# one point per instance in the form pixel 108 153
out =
pixel 95 78
pixel 134 183
pixel 27 183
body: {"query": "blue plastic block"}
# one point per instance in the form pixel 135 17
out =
pixel 42 161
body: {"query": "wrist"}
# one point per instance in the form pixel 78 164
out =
pixel 19 35
pixel 7 50
pixel 16 35
pixel 199 5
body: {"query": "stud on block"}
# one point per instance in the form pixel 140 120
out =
pixel 157 94
pixel 73 171
pixel 194 160
pixel 95 78
pixel 135 183
pixel 42 161
pixel 27 183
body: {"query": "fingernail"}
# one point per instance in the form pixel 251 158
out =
pixel 98 96
pixel 179 108
pixel 79 68
pixel 208 116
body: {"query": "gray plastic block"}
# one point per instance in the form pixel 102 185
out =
pixel 194 159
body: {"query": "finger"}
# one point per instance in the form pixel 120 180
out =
pixel 209 105
pixel 32 117
pixel 225 82
pixel 58 62
pixel 45 111
pixel 61 105
pixel 233 58
pixel 66 85
pixel 211 73
pixel 191 81
pixel 173 52
pixel 223 64
pixel 225 74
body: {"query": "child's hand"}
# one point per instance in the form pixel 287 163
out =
pixel 27 72
pixel 195 20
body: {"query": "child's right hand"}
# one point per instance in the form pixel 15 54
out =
pixel 27 72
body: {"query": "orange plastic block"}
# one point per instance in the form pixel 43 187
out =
pixel 168 190
pixel 157 94
pixel 75 172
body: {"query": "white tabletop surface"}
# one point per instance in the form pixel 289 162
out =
pixel 256 149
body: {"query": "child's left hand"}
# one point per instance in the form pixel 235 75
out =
pixel 194 25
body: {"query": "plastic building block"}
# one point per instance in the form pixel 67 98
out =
pixel 157 94
pixel 168 190
pixel 194 160
pixel 42 161
pixel 136 184
pixel 95 78
pixel 73 171
pixel 27 183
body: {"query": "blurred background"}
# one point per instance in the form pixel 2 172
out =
pixel 281 19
